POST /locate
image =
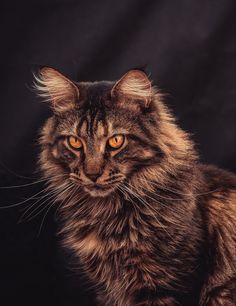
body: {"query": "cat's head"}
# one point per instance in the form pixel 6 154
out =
pixel 101 134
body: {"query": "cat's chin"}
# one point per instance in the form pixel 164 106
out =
pixel 98 192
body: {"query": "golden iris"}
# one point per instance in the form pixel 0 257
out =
pixel 74 142
pixel 116 141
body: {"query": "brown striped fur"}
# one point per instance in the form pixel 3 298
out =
pixel 149 223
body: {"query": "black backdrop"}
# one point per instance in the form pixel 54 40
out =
pixel 189 48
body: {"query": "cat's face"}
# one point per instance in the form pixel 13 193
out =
pixel 101 133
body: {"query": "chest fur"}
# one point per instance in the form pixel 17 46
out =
pixel 122 250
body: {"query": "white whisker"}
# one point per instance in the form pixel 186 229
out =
pixel 24 201
pixel 52 194
pixel 151 210
pixel 68 200
pixel 175 191
pixel 65 190
pixel 33 183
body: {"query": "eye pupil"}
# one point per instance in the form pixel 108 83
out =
pixel 74 142
pixel 116 141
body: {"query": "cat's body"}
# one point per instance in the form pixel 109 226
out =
pixel 149 224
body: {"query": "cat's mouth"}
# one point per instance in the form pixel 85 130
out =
pixel 100 190
pixel 96 189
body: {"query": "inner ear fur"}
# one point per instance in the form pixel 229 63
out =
pixel 134 85
pixel 54 87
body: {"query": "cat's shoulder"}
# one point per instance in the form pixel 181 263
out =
pixel 217 178
pixel 219 197
pixel 218 208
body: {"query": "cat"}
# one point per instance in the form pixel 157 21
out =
pixel 148 222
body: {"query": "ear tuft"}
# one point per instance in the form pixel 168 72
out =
pixel 55 88
pixel 135 84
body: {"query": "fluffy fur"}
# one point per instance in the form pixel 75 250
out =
pixel 148 222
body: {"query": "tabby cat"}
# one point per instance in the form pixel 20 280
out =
pixel 148 222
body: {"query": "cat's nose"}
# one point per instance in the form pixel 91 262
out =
pixel 93 176
pixel 93 168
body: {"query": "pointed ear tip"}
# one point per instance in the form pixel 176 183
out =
pixel 44 68
pixel 137 73
pixel 43 71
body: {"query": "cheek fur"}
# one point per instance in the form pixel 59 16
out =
pixel 62 154
pixel 136 153
pixel 134 157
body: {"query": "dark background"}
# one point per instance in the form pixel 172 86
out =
pixel 188 47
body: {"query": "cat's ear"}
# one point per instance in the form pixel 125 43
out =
pixel 55 88
pixel 134 85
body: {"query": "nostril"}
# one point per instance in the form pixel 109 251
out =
pixel 93 176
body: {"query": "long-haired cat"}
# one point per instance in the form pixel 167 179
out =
pixel 148 222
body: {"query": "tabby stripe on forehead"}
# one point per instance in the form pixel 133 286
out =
pixel 90 123
pixel 101 125
pixel 100 129
pixel 92 114
pixel 83 126
pixel 105 125
pixel 96 123
pixel 102 119
pixel 99 122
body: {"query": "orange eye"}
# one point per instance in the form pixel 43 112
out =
pixel 116 141
pixel 74 142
